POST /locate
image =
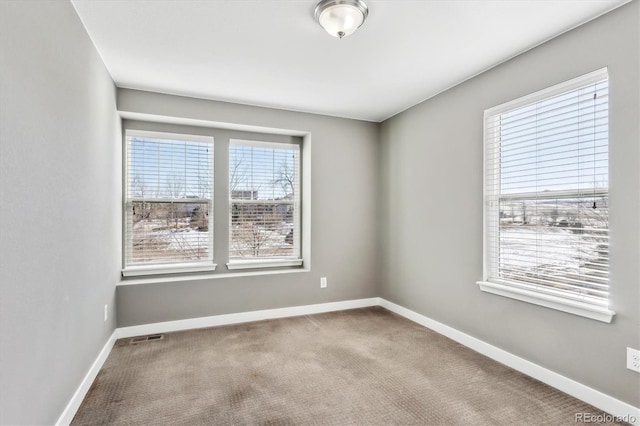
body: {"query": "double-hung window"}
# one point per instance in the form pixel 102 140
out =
pixel 264 204
pixel 168 203
pixel 546 202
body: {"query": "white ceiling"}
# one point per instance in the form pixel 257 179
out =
pixel 272 52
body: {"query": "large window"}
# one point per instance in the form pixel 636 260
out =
pixel 264 204
pixel 546 198
pixel 169 200
pixel 168 205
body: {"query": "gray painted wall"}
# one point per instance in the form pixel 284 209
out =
pixel 432 169
pixel 59 208
pixel 344 218
pixel 419 174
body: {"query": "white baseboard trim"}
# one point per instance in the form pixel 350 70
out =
pixel 598 399
pixel 72 407
pixel 591 396
pixel 227 319
pixel 188 324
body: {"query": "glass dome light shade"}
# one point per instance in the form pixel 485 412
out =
pixel 341 18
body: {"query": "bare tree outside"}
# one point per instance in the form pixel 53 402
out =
pixel 168 220
pixel 262 186
pixel 138 190
pixel 237 174
pixel 286 178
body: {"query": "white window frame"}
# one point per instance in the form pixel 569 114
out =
pixel 521 292
pixel 272 262
pixel 164 268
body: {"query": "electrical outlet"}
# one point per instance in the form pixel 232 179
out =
pixel 106 312
pixel 323 282
pixel 633 359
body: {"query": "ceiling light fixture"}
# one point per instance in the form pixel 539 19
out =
pixel 341 18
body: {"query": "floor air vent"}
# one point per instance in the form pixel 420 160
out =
pixel 144 339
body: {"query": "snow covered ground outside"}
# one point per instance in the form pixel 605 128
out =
pixel 570 257
pixel 154 241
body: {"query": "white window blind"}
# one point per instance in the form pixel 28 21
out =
pixel 546 196
pixel 264 190
pixel 168 211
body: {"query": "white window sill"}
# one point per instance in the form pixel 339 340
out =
pixel 205 277
pixel 262 263
pixel 137 271
pixel 548 301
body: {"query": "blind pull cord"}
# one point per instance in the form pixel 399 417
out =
pixel 594 150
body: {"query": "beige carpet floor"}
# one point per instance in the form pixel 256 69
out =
pixel 363 366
